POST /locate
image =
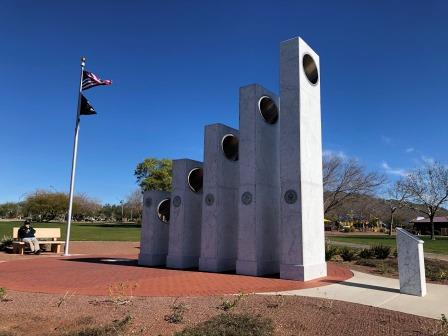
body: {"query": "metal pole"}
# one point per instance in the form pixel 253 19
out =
pixel 75 153
pixel 391 221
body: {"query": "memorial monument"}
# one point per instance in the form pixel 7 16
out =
pixel 302 237
pixel 185 215
pixel 411 263
pixel 259 214
pixel 219 234
pixel 154 232
pixel 257 208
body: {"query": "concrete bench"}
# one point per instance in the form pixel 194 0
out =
pixel 46 236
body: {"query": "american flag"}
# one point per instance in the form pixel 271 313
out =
pixel 90 80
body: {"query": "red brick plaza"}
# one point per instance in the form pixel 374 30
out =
pixel 99 274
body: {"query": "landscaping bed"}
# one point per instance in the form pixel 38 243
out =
pixel 440 245
pixel 247 315
pixel 382 260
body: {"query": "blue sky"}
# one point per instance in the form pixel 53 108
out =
pixel 178 65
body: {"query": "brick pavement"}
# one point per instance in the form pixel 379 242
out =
pixel 100 274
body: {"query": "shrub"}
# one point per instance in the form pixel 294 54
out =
pixel 330 251
pixel 366 253
pixel 231 325
pixel 122 293
pixel 384 268
pixel 436 270
pixel 5 333
pixel 116 328
pixel 348 254
pixel 366 262
pixel 177 312
pixel 381 251
pixel 3 294
pixel 443 327
pixel 6 241
pixel 227 305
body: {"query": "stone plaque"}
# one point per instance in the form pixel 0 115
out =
pixel 177 201
pixel 290 196
pixel 246 198
pixel 209 199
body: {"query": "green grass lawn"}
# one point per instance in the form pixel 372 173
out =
pixel 440 245
pixel 85 231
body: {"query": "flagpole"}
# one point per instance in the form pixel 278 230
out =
pixel 75 153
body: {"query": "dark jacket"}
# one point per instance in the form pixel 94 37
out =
pixel 26 233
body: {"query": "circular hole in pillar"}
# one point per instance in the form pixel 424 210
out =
pixel 163 210
pixel 268 109
pixel 195 179
pixel 230 146
pixel 310 69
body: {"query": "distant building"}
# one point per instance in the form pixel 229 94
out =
pixel 423 226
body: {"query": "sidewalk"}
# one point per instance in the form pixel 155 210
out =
pixel 430 255
pixel 382 292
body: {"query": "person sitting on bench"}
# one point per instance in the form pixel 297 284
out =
pixel 26 234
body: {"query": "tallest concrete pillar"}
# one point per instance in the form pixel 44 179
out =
pixel 302 241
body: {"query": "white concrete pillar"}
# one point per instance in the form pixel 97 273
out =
pixel 220 199
pixel 185 214
pixel 411 264
pixel 259 182
pixel 302 219
pixel 155 228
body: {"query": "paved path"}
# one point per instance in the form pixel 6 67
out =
pixel 382 292
pixel 99 275
pixel 354 245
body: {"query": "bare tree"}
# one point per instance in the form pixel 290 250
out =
pixel 134 202
pixel 427 187
pixel 397 197
pixel 345 179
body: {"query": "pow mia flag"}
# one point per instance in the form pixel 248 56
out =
pixel 86 108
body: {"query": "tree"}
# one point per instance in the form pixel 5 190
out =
pixel 134 203
pixel 344 180
pixel 154 174
pixel 84 206
pixel 427 189
pixel 8 210
pixel 47 205
pixel 111 211
pixel 396 200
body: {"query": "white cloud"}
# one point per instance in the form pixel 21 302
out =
pixel 427 159
pixel 410 149
pixel 393 171
pixel 331 153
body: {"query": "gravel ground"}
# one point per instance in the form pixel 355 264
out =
pixel 47 314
